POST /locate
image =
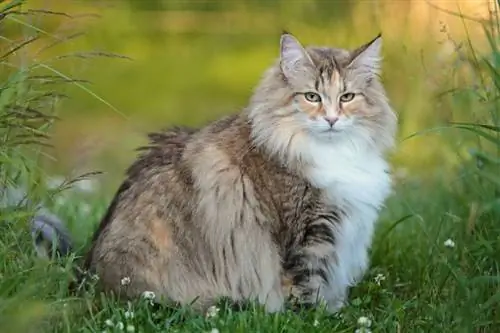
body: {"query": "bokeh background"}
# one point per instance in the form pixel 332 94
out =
pixel 190 62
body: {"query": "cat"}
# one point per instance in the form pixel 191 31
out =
pixel 277 201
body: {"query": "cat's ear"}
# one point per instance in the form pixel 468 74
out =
pixel 368 57
pixel 293 56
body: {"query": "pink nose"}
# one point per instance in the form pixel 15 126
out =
pixel 331 120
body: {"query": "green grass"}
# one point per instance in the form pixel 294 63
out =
pixel 417 282
pixel 427 286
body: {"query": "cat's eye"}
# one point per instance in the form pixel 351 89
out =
pixel 347 97
pixel 312 97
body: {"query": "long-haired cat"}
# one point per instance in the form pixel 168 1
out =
pixel 279 200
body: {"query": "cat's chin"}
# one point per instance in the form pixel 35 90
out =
pixel 327 135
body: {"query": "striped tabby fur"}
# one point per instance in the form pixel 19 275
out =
pixel 278 200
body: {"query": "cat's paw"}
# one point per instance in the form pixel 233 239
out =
pixel 334 306
pixel 274 301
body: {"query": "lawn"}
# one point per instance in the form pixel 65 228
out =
pixel 434 261
pixel 434 269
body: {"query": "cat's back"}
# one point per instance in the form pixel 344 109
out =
pixel 158 172
pixel 163 183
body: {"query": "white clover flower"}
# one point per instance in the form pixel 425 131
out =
pixel 109 323
pixel 125 281
pixel 364 322
pixel 120 326
pixel 379 278
pixel 449 243
pixel 214 330
pixel 149 295
pixel 129 314
pixel 130 328
pixel 212 311
pixel 316 323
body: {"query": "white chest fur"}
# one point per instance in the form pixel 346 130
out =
pixel 357 181
pixel 351 177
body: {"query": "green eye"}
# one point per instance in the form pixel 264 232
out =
pixel 312 97
pixel 347 97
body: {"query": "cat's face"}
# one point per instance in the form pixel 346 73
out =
pixel 333 92
pixel 326 94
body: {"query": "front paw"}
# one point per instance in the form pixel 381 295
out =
pixel 334 306
pixel 275 302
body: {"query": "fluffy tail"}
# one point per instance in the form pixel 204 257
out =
pixel 50 236
pixel 51 239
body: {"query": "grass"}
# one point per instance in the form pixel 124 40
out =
pixel 435 259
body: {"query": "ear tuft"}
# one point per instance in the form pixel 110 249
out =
pixel 292 54
pixel 369 56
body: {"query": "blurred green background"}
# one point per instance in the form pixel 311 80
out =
pixel 194 61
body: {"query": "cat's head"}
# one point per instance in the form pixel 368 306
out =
pixel 325 94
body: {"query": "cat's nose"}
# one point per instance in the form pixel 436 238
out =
pixel 331 120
